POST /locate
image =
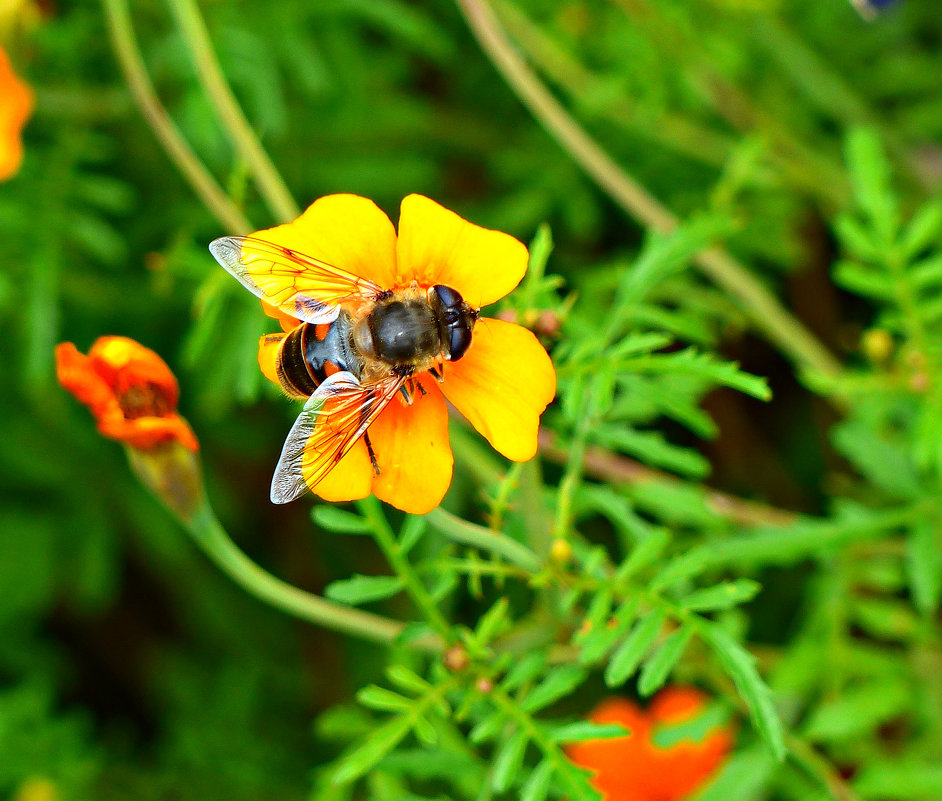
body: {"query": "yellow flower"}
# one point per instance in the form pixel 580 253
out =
pixel 16 104
pixel 502 384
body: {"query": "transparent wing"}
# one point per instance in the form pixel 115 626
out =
pixel 304 287
pixel 332 420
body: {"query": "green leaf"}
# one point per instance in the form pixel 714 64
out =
pixel 858 710
pixel 923 229
pixel 493 621
pixel 339 521
pixel 538 785
pixel 721 596
pixel 558 683
pixel 864 280
pixel 586 730
pixel 413 527
pixel 740 665
pixel 906 779
pixel 363 589
pixel 407 679
pixel 924 565
pixel 652 448
pixel 602 639
pixel 524 671
pixel 870 174
pixel 644 554
pixel 741 779
pixel 658 667
pixel 629 654
pixel 508 760
pixel 380 698
pixel 362 757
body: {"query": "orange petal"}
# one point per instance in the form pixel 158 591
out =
pixel 436 246
pixel 268 345
pixel 350 479
pixel 148 432
pixel 76 373
pixel 286 321
pixel 413 453
pixel 16 104
pixel 502 385
pixel 346 231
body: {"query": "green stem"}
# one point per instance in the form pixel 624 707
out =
pixel 486 540
pixel 211 537
pixel 386 539
pixel 270 183
pixel 763 309
pixel 192 169
pixel 574 464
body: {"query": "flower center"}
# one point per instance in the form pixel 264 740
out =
pixel 145 400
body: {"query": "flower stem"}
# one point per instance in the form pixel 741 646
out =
pixel 211 537
pixel 270 183
pixel 763 309
pixel 386 539
pixel 192 169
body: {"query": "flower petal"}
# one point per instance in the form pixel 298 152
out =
pixel 436 246
pixel 286 321
pixel 148 432
pixel 347 231
pixel 268 345
pixel 413 453
pixel 502 385
pixel 350 479
pixel 75 372
pixel 16 104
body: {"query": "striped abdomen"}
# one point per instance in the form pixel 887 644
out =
pixel 310 353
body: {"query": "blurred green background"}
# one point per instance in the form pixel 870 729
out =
pixel 130 667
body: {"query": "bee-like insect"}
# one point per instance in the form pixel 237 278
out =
pixel 356 346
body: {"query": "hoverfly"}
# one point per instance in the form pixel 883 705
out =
pixel 356 346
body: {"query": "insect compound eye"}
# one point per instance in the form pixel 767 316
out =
pixel 459 340
pixel 449 297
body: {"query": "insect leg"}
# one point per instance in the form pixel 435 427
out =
pixel 369 450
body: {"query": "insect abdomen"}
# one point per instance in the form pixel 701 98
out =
pixel 311 353
pixel 293 373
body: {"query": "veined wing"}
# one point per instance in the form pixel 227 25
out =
pixel 332 420
pixel 304 287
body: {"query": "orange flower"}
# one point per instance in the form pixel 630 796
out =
pixel 16 104
pixel 129 389
pixel 633 767
pixel 501 385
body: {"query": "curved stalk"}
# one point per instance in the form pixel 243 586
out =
pixel 211 537
pixel 142 90
pixel 762 308
pixel 270 183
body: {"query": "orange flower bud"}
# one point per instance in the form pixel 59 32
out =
pixel 133 396
pixel 634 767
pixel 129 389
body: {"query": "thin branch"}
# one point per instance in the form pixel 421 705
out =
pixel 764 310
pixel 270 183
pixel 132 66
pixel 611 467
